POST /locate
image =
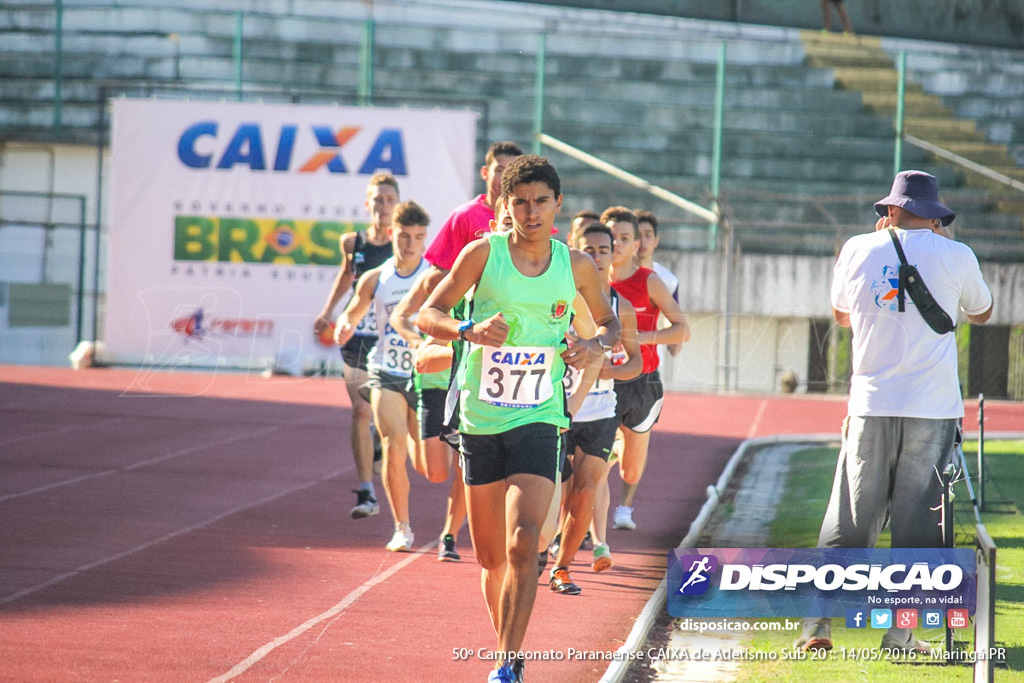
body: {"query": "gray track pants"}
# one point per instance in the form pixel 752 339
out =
pixel 888 468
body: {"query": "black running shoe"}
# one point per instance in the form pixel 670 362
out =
pixel 561 582
pixel 446 551
pixel 518 664
pixel 366 504
pixel 586 543
pixel 542 563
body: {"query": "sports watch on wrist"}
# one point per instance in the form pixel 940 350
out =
pixel 464 327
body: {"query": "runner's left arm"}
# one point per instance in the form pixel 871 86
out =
pixel 678 330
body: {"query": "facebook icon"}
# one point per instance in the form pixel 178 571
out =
pixel 856 618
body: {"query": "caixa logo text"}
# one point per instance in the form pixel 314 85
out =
pixel 204 144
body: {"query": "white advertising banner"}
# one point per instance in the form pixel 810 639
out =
pixel 225 220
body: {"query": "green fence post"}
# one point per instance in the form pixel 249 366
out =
pixel 365 93
pixel 58 69
pixel 716 148
pixel 538 91
pixel 80 304
pixel 901 92
pixel 237 54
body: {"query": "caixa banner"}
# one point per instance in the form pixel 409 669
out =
pixel 818 582
pixel 226 220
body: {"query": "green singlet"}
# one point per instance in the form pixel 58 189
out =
pixel 521 382
pixel 431 380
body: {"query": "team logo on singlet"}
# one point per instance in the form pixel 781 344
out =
pixel 559 308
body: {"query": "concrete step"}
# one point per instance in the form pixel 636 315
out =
pixel 871 80
pixel 984 153
pixel 939 130
pixel 914 104
pixel 770 144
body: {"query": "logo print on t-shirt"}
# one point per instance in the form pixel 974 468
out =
pixel 886 289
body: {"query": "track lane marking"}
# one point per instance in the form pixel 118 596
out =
pixel 334 611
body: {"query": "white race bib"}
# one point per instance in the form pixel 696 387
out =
pixel 398 356
pixel 517 376
pixel 573 377
pixel 368 325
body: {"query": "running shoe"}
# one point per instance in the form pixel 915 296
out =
pixel 817 638
pixel 561 582
pixel 556 543
pixel 624 518
pixel 542 563
pixel 366 504
pixel 378 451
pixel 602 558
pixel 585 543
pixel 503 674
pixel 518 664
pixel 446 552
pixel 401 541
pixel 912 645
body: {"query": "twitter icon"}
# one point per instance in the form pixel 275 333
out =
pixel 881 618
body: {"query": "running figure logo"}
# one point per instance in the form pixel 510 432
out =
pixel 696 570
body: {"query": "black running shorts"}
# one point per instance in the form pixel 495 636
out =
pixel 529 449
pixel 638 402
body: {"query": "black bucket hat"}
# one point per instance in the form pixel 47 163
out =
pixel 918 193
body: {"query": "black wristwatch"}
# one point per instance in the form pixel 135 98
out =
pixel 465 327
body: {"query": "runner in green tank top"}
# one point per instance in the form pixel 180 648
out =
pixel 511 401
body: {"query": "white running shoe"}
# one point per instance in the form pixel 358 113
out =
pixel 602 558
pixel 402 540
pixel 624 518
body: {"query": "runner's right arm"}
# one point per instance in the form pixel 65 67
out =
pixel 358 306
pixel 342 283
pixel 434 318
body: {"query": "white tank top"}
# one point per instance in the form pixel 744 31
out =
pixel 392 353
pixel 599 402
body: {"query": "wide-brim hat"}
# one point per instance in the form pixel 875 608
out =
pixel 918 193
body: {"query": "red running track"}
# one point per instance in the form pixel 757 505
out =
pixel 166 526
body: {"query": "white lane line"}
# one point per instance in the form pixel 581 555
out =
pixel 756 424
pixel 347 602
pixel 143 463
pixel 166 537
pixel 64 430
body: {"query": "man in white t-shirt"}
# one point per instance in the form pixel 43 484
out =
pixel 905 402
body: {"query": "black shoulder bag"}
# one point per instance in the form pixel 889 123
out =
pixel 911 283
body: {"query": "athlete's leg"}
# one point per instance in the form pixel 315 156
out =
pixel 602 501
pixel 390 411
pixel 437 457
pixel 527 501
pixel 485 507
pixel 587 472
pixel 361 441
pixel 634 457
pixel 455 514
pixel 550 526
